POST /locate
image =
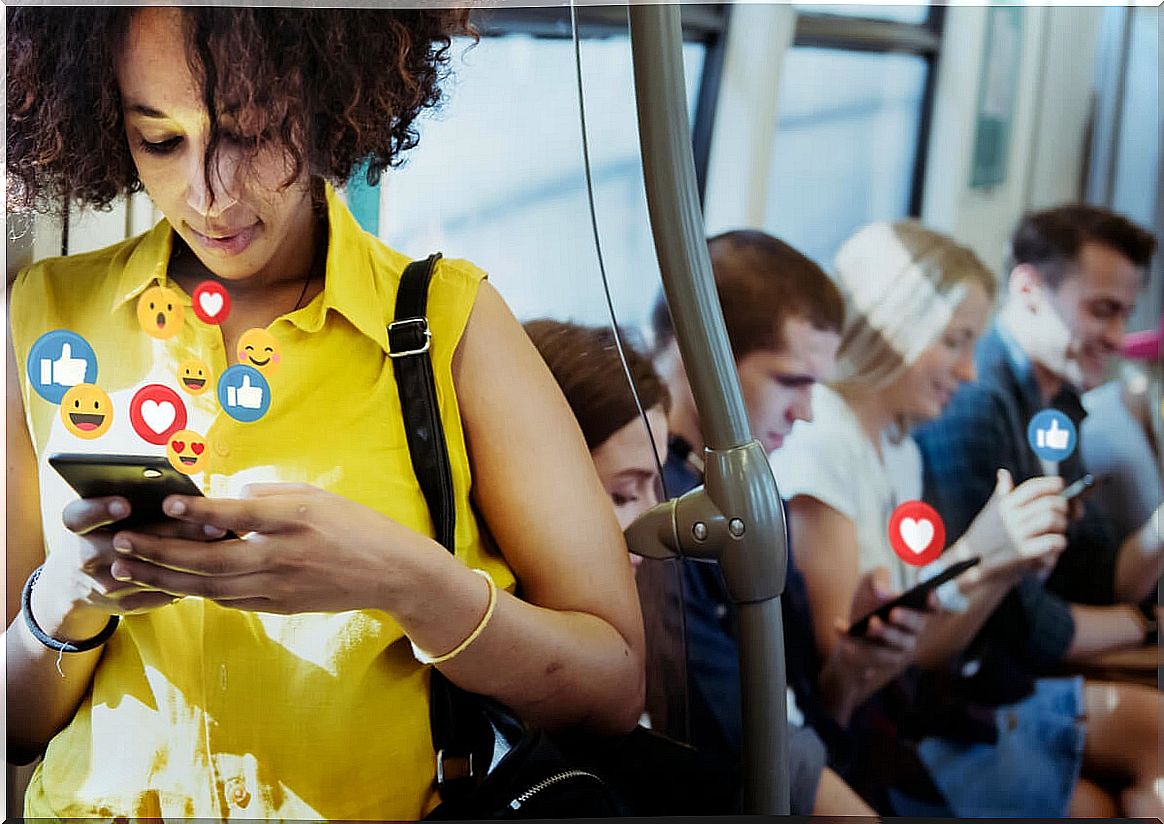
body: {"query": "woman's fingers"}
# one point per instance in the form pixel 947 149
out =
pixel 1037 487
pixel 1049 516
pixel 256 514
pixel 890 636
pixel 187 530
pixel 1049 544
pixel 86 514
pixel 908 620
pixel 175 582
pixel 235 557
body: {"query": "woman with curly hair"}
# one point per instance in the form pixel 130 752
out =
pixel 174 669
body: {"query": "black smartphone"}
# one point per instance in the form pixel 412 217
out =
pixel 142 480
pixel 1083 487
pixel 914 598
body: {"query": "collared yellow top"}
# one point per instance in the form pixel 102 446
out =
pixel 199 710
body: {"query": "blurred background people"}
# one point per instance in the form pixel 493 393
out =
pixel 916 302
pixel 783 318
pixel 1074 277
pixel 589 368
pixel 1122 435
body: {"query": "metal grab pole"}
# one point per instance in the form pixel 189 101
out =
pixel 739 505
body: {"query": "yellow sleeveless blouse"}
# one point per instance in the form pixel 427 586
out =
pixel 199 710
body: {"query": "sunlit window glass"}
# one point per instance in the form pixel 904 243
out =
pixel 498 177
pixel 845 144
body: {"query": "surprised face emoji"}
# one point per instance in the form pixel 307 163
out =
pixel 160 312
pixel 86 411
pixel 186 450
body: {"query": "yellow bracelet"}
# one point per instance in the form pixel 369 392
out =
pixel 425 658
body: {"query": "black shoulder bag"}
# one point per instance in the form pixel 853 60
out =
pixel 489 763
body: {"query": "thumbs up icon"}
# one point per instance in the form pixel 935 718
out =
pixel 1055 437
pixel 58 361
pixel 250 397
pixel 65 370
pixel 244 393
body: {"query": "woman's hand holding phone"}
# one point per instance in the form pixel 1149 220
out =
pixel 76 592
pixel 858 666
pixel 307 550
pixel 1019 530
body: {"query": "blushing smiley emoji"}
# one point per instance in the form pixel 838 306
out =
pixel 258 348
pixel 160 312
pixel 87 411
pixel 194 376
pixel 186 451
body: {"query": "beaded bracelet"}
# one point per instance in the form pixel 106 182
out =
pixel 425 658
pixel 53 643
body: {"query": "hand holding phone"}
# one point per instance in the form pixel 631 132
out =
pixel 84 561
pixel 914 598
pixel 142 480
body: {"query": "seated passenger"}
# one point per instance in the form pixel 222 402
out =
pixel 783 319
pixel 163 673
pixel 1075 273
pixel 915 304
pixel 1122 433
pixel 586 363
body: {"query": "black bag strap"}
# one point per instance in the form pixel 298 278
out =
pixel 455 720
pixel 408 343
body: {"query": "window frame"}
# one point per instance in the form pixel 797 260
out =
pixel 864 34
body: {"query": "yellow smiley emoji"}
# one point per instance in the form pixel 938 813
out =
pixel 194 376
pixel 87 411
pixel 160 312
pixel 258 348
pixel 186 450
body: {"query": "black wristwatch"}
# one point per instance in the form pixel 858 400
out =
pixel 1148 620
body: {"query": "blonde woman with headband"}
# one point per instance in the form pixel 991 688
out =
pixel 916 303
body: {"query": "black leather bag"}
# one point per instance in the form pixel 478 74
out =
pixel 489 763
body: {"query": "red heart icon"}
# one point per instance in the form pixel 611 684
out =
pixel 197 448
pixel 178 445
pixel 157 413
pixel 916 533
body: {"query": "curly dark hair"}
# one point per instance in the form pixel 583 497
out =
pixel 333 87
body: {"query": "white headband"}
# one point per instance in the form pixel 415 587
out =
pixel 891 293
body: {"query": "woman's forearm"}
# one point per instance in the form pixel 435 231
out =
pixel 948 633
pixel 44 688
pixel 1140 562
pixel 556 667
pixel 1103 629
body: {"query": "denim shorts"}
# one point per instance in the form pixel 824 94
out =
pixel 1032 769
